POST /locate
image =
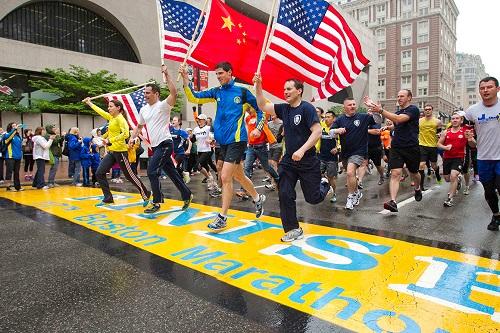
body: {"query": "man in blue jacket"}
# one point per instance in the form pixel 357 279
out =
pixel 230 132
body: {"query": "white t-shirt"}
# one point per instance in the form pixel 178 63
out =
pixel 202 137
pixel 157 119
pixel 487 126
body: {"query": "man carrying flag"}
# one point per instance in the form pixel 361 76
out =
pixel 230 132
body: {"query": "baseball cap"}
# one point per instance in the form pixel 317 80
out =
pixel 461 113
pixel 189 129
pixel 202 116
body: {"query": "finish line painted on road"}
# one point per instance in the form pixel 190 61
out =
pixel 365 283
pixel 409 200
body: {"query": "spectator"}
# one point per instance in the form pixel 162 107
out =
pixel 74 147
pixel 86 160
pixel 55 152
pixel 28 154
pixel 41 154
pixel 13 154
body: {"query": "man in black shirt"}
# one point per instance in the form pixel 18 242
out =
pixel 353 130
pixel 302 131
pixel 404 145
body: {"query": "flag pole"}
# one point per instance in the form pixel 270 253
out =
pixel 159 17
pixel 268 29
pixel 121 90
pixel 188 53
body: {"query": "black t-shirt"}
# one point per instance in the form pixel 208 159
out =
pixel 297 124
pixel 328 142
pixel 355 140
pixel 406 134
pixel 374 140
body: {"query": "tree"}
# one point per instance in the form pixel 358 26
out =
pixel 77 83
pixel 11 104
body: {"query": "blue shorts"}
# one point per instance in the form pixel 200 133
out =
pixel 488 170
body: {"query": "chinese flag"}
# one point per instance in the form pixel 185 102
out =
pixel 233 37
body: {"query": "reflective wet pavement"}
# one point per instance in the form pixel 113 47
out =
pixel 67 267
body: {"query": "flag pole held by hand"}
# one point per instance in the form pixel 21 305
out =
pixel 190 48
pixel 121 90
pixel 268 29
pixel 159 16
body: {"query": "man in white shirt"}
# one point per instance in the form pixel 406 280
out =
pixel 156 115
pixel 486 118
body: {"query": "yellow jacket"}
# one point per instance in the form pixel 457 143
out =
pixel 118 130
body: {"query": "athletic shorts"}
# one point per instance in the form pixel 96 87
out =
pixel 401 156
pixel 488 170
pixel 355 159
pixel 275 154
pixel 330 167
pixel 452 164
pixel 233 152
pixel 375 154
pixel 428 154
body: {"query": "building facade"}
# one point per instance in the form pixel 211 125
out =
pixel 416 42
pixel 121 36
pixel 470 70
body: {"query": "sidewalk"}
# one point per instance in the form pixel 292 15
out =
pixel 61 175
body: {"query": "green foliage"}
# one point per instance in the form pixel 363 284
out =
pixel 74 85
pixel 337 109
pixel 11 104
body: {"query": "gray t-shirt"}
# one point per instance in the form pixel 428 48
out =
pixel 275 128
pixel 487 126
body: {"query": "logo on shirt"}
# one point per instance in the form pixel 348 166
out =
pixel 237 100
pixel 357 122
pixel 296 119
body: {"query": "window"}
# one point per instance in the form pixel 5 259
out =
pixel 381 70
pixel 406 68
pixel 66 26
pixel 423 7
pixel 406 34
pixel 406 82
pixel 363 12
pixel 381 57
pixel 381 83
pixel 423 32
pixel 381 45
pixel 381 95
pixel 423 79
pixel 380 33
pixel 423 58
pixel 406 56
pixel 422 91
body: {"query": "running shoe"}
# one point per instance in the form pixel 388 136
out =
pixel 494 224
pixel 205 180
pixel 360 185
pixel 270 187
pixel 466 190
pixel 146 201
pixel 104 203
pixel 350 201
pixel 259 205
pixel 219 223
pixel 333 199
pixel 439 181
pixel 418 195
pixel 185 177
pixel 381 180
pixel 215 193
pixel 357 196
pixel 391 206
pixel 153 208
pixel 266 180
pixel 187 202
pixel 292 235
pixel 448 202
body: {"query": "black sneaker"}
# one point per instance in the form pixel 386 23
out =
pixel 152 209
pixel 494 224
pixel 448 203
pixel 418 195
pixel 391 206
pixel 205 180
pixel 187 202
pixel 360 185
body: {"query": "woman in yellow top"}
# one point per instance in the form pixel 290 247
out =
pixel 114 139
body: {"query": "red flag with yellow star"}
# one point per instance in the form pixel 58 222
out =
pixel 231 36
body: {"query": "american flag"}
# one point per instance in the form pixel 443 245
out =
pixel 179 22
pixel 6 90
pixel 133 103
pixel 313 41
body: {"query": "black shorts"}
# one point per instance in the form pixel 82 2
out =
pixel 401 156
pixel 375 154
pixel 452 164
pixel 275 154
pixel 233 152
pixel 428 154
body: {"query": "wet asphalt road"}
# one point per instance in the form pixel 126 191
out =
pixel 123 289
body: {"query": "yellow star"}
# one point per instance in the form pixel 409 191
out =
pixel 227 23
pixel 240 25
pixel 238 41
pixel 244 34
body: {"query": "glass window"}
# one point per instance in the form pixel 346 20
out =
pixel 423 32
pixel 381 83
pixel 66 26
pixel 381 57
pixel 423 58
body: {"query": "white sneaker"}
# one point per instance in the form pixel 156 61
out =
pixel 466 190
pixel 357 196
pixel 78 184
pixel 350 202
pixel 45 187
pixel 292 235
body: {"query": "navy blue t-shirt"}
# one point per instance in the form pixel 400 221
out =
pixel 297 124
pixel 406 134
pixel 374 139
pixel 355 140
pixel 328 142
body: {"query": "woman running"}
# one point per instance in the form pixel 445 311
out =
pixel 115 141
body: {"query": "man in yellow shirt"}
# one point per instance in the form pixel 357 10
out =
pixel 429 127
